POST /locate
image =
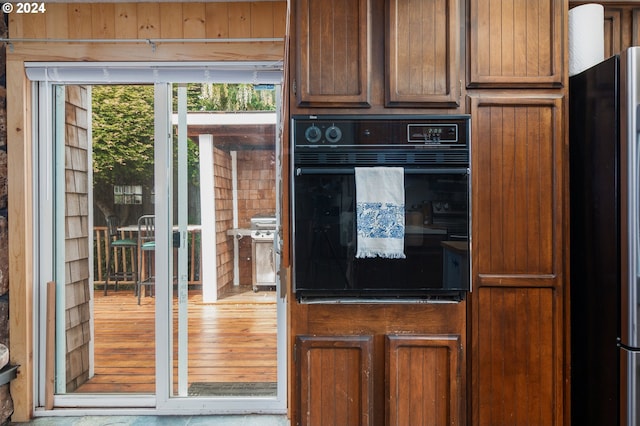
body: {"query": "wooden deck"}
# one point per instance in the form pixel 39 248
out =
pixel 232 340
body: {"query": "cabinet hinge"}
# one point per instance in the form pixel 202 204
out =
pixel 295 353
pixel 294 87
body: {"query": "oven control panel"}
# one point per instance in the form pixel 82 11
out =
pixel 387 131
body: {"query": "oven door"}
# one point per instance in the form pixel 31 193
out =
pixel 436 241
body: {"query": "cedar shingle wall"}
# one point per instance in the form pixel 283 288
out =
pixel 224 217
pixel 256 195
pixel 77 236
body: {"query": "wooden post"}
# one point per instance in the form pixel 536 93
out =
pixel 50 345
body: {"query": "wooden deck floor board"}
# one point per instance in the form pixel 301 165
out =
pixel 232 340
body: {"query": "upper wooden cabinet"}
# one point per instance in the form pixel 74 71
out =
pixel 621 28
pixel 516 44
pixel 377 53
pixel 332 53
pixel 422 53
pixel 621 25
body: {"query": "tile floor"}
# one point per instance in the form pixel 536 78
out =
pixel 236 420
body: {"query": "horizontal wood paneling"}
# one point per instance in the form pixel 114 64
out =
pixel 335 380
pixel 379 318
pixel 517 185
pixel 152 20
pixel 516 373
pixel 423 380
pixel 516 43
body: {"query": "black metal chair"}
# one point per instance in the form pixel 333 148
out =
pixel 147 246
pixel 117 244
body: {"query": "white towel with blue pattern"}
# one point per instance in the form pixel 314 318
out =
pixel 380 212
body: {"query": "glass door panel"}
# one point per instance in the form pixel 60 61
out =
pixel 95 180
pixel 225 324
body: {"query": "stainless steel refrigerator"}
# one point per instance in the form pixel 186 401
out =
pixel 604 129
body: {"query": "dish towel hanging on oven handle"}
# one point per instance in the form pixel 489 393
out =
pixel 380 212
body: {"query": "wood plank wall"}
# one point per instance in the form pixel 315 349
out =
pixel 152 21
pixel 64 30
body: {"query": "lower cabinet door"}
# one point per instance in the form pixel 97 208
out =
pixel 423 380
pixel 335 380
pixel 338 378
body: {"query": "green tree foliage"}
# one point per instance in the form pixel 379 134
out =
pixel 122 134
pixel 230 97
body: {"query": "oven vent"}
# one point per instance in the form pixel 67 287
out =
pixel 372 157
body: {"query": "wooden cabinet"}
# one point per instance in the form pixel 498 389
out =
pixel 517 314
pixel 337 375
pixel 423 380
pixel 335 380
pixel 333 53
pixel 422 53
pixel 517 92
pixel 513 324
pixel 516 44
pixel 621 28
pixel 621 25
pixel 377 54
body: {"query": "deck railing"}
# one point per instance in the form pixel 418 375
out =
pixel 124 260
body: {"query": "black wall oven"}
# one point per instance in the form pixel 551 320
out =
pixel 411 203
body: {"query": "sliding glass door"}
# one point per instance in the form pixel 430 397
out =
pixel 150 259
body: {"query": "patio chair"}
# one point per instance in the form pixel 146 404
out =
pixel 122 245
pixel 147 247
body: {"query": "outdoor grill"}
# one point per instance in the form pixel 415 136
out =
pixel 263 228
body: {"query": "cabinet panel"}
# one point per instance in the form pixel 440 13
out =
pixel 517 185
pixel 635 26
pixel 335 380
pixel 516 374
pixel 422 53
pixel 423 380
pixel 612 31
pixel 516 43
pixel 332 53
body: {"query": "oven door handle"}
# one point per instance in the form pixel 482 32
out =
pixel 299 171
